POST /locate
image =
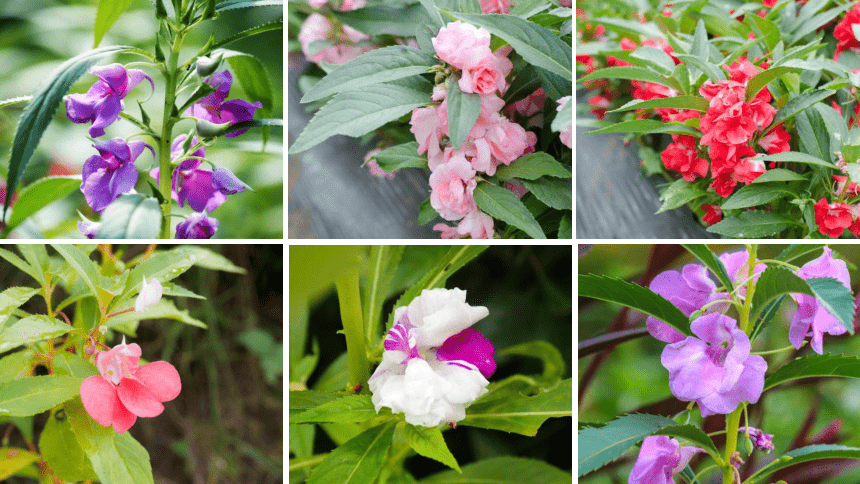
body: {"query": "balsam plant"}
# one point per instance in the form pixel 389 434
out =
pixel 713 315
pixel 195 112
pixel 411 374
pixel 60 362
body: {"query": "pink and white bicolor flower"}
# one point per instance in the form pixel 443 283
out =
pixel 125 390
pixel 434 364
pixel 150 293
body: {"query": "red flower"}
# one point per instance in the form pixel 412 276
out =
pixel 713 214
pixel 777 141
pixel 853 188
pixel 681 156
pixel 844 31
pixel 833 218
pixel 600 104
pixel 724 185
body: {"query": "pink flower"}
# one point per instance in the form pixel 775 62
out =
pixel 660 458
pixel 496 6
pixel 462 45
pixel 453 184
pixel 427 126
pixel 812 319
pixel 149 294
pixel 477 225
pixel 446 231
pixel 125 391
pixel 508 141
pixel 483 78
pixel 349 5
pixel 317 28
pixel 565 134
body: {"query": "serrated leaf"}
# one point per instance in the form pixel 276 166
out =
pixel 234 4
pixel 268 27
pixel 35 394
pixel 522 415
pixel 644 126
pixel 39 195
pixel 164 309
pixel 678 194
pixel 695 103
pixel 108 12
pixel 12 298
pixel 615 290
pixel 70 364
pixel 630 73
pixel 804 454
pixel 797 157
pixel 599 446
pixel 131 216
pixel 533 166
pixel 754 224
pixel 463 111
pixel 503 470
pixel 401 156
pixel 778 175
pixel 358 461
pixel 835 298
pixel 815 366
pixel 712 262
pixel 41 108
pixel 357 113
pixel 554 192
pixel 351 408
pixel 774 282
pixel 504 205
pixel 82 265
pixel 374 67
pixel 760 80
pixel 30 330
pixel 428 441
pixel 536 45
pixel 794 251
pixel 756 194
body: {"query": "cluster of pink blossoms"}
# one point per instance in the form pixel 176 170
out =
pixel 493 141
pixel 341 42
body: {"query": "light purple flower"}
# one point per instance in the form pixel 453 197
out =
pixel 716 369
pixel 111 173
pixel 226 182
pixel 197 226
pixel 88 228
pixel 102 104
pixel 216 110
pixel 811 319
pixel 660 458
pixel 759 439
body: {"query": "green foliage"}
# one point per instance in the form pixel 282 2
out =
pixel 757 194
pixel 503 470
pixel 30 330
pixel 501 204
pixel 533 166
pixel 270 353
pixel 351 408
pixel 131 216
pixel 600 446
pixel 61 450
pixel 712 262
pixel 40 194
pixel 754 224
pixel 522 415
pixel 463 111
pixel 29 396
pixel 404 155
pixel 815 366
pixel 805 454
pixel 428 441
pixel 108 12
pixel 14 460
pixel 635 296
pixel 357 461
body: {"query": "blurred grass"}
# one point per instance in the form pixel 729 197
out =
pixel 37 36
pixel 226 426
pixel 633 376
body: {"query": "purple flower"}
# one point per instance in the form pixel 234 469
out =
pixel 102 104
pixel 190 183
pixel 660 458
pixel 226 182
pixel 471 346
pixel 214 109
pixel 716 369
pixel 759 439
pixel 88 228
pixel 197 226
pixel 812 319
pixel 111 173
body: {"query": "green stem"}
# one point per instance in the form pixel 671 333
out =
pixel 353 328
pixel 164 164
pixel 771 352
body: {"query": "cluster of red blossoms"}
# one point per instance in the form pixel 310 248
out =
pixel 834 218
pixel 731 128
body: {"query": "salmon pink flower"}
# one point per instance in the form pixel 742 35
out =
pixel 102 104
pixel 124 390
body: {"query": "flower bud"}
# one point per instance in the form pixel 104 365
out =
pixel 207 65
pixel 149 295
pixel 205 129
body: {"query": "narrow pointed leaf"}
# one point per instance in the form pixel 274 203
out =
pixel 600 446
pixel 815 366
pixel 804 454
pixel 504 205
pixel 634 296
pixel 351 408
pixel 428 441
pixel 29 396
pixel 358 461
pixel 522 415
pixel 503 470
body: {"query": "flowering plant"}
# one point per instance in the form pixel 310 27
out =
pixel 439 367
pixel 748 111
pixel 204 93
pixel 725 345
pixel 476 92
pixel 68 364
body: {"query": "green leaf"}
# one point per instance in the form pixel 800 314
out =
pixel 804 454
pixel 426 213
pixel 654 58
pixel 774 282
pixel 401 156
pixel 599 446
pixel 760 80
pixel 374 67
pixel 695 103
pixel 712 262
pixel 814 366
pixel 629 72
pixel 15 100
pixel 25 267
pixel 533 166
pixel 428 441
pixel 693 434
pixel 522 415
pixel 644 126
pixel 164 309
pixel 15 460
pixel 12 298
pixel 553 361
pixel 565 229
pixel 763 27
pixel 678 194
pixel 554 192
pixel 307 399
pixel 797 157
pixel 794 251
pixel 60 448
pixel 383 262
pixel 351 408
pixel 799 103
pixel 40 110
pixel 107 13
pixel 754 224
pixel 208 259
pixel 358 461
pixel 254 78
pixel 30 330
pixel 115 458
pixel 463 111
pixel 268 27
pixel 835 298
pixel 66 363
pixel 712 71
pixel 32 395
pixel 503 470
pixel 778 175
pixel 754 195
pixel 387 20
pixel 234 4
pixel 535 44
pixel 131 216
pixel 82 265
pixel 357 113
pixel 170 289
pixel 615 290
pixel 40 194
pixel 433 12
pixel 504 205
pixel 563 118
pixel 15 366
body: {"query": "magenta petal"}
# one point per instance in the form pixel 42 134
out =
pixel 114 75
pixel 106 113
pixel 99 398
pixel 161 378
pixel 80 108
pixel 471 346
pixel 138 399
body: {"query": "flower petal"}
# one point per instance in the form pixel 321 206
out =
pixel 161 378
pixel 138 399
pixel 123 419
pixel 99 399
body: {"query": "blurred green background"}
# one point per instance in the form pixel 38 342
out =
pixel 527 290
pixel 226 425
pixel 632 379
pixel 36 36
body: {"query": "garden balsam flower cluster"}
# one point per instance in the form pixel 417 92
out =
pixel 713 363
pixel 754 109
pixel 434 364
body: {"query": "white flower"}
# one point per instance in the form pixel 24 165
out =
pixel 149 295
pixel 438 314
